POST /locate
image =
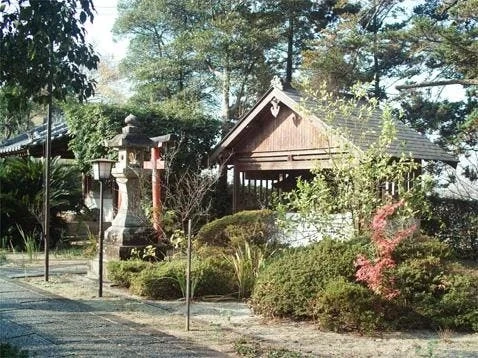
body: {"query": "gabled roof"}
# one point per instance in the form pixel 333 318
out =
pixel 35 137
pixel 407 140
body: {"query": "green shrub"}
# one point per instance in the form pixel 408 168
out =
pixel 21 197
pixel 121 272
pixel 418 276
pixel 167 279
pixel 289 281
pixel 319 281
pixel 421 246
pixel 256 227
pixel 347 306
pixel 247 262
pixel 216 277
pixel 459 304
pixel 434 295
pixel 159 281
pixel 7 350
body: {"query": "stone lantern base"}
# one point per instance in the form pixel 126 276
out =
pixel 120 241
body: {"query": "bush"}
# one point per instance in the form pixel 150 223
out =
pixel 435 295
pixel 319 281
pixel 167 279
pixel 455 222
pixel 459 304
pixel 122 272
pixel 347 306
pixel 288 282
pixel 422 246
pixel 256 227
pixel 216 277
pixel 21 198
pixel 159 281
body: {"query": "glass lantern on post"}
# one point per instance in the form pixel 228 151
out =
pixel 101 169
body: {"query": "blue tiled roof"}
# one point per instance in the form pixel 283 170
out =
pixel 34 137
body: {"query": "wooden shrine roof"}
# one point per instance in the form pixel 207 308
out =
pixel 342 129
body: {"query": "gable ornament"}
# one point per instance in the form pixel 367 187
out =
pixel 275 107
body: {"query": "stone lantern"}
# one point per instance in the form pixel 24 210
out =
pixel 130 228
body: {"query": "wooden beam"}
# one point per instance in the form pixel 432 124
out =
pixel 320 151
pixel 293 165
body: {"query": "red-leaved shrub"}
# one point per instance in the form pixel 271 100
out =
pixel 373 273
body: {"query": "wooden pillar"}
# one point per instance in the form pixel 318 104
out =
pixel 235 190
pixel 156 189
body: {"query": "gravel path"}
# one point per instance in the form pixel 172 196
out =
pixel 65 317
pixel 52 326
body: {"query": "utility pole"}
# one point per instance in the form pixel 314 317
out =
pixel 46 199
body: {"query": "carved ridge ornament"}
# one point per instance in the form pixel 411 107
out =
pixel 275 107
pixel 276 82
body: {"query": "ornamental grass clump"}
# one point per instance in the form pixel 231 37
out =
pixel 247 261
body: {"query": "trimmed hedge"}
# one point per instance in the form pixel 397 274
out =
pixel 289 282
pixel 122 272
pixel 434 294
pixel 160 281
pixel 255 226
pixel 455 222
pixel 167 279
pixel 421 246
pixel 345 306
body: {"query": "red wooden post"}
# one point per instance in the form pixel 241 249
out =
pixel 156 189
pixel 156 164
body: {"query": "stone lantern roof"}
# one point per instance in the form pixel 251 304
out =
pixel 131 136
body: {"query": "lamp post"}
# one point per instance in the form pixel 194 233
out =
pixel 101 172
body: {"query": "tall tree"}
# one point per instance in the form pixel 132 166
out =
pixel 199 48
pixel 43 51
pixel 444 37
pixel 299 22
pixel 15 110
pixel 362 46
pixel 159 67
pixel 43 42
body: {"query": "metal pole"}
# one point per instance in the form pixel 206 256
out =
pixel 46 199
pixel 188 278
pixel 100 238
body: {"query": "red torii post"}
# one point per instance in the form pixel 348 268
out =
pixel 156 164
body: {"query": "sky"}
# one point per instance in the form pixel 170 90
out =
pixel 99 33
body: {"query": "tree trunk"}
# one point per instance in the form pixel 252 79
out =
pixel 290 49
pixel 376 68
pixel 226 86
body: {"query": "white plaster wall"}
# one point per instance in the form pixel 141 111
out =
pixel 337 226
pixel 92 201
